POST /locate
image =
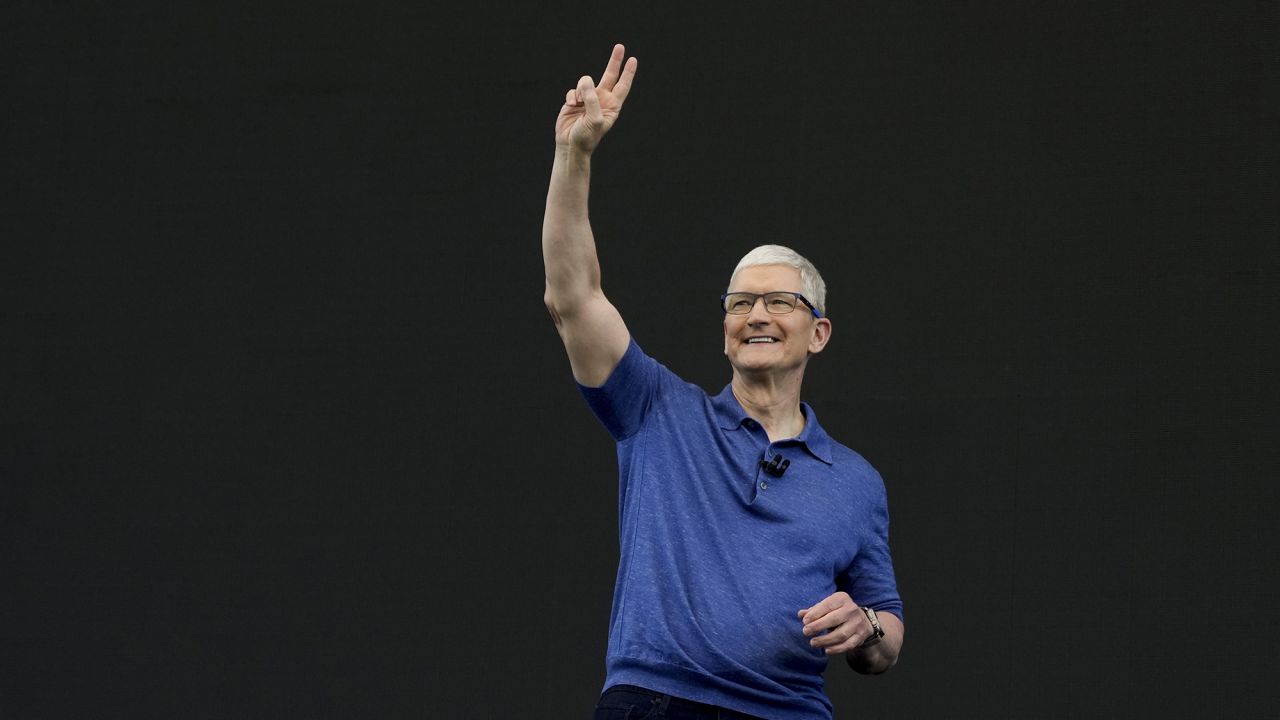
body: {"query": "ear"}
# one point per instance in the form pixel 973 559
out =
pixel 821 335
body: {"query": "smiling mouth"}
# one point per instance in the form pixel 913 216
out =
pixel 761 340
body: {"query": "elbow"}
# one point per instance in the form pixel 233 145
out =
pixel 565 303
pixel 877 665
pixel 549 301
pixel 881 657
pixel 885 665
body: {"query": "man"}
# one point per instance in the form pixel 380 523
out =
pixel 753 546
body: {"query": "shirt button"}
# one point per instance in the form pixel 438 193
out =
pixel 764 485
pixel 749 423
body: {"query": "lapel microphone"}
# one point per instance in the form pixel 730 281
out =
pixel 777 466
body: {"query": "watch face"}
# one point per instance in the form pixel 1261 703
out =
pixel 875 622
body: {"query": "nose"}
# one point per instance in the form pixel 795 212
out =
pixel 758 314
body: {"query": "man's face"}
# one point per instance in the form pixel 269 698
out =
pixel 790 337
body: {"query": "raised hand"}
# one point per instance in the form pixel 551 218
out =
pixel 590 110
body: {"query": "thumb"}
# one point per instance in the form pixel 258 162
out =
pixel 587 89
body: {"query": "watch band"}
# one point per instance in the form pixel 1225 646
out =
pixel 877 632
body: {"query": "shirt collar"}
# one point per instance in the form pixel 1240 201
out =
pixel 731 416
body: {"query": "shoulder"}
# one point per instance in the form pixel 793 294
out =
pixel 638 390
pixel 850 464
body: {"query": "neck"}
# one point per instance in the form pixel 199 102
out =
pixel 774 402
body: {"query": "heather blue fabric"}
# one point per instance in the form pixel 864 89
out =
pixel 717 556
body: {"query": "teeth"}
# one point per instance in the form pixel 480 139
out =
pixel 761 340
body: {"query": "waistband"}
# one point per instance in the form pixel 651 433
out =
pixel 678 707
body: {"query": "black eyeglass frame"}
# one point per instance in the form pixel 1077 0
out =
pixel 757 296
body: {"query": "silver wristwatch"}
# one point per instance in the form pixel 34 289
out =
pixel 877 632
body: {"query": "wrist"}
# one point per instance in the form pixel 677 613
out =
pixel 573 153
pixel 877 632
pixel 572 162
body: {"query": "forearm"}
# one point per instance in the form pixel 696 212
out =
pixel 883 655
pixel 568 246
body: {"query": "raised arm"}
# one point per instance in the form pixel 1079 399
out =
pixel 593 332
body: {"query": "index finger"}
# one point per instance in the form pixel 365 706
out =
pixel 829 603
pixel 610 75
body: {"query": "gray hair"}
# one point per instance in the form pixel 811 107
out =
pixel 811 284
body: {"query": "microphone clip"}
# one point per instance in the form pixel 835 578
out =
pixel 777 466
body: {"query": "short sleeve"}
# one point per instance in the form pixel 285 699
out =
pixel 870 579
pixel 624 398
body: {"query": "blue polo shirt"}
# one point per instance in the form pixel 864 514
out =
pixel 717 556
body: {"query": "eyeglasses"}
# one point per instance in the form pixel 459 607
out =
pixel 776 303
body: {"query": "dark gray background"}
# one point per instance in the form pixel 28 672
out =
pixel 287 432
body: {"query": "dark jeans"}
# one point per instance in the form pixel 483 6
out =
pixel 628 702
